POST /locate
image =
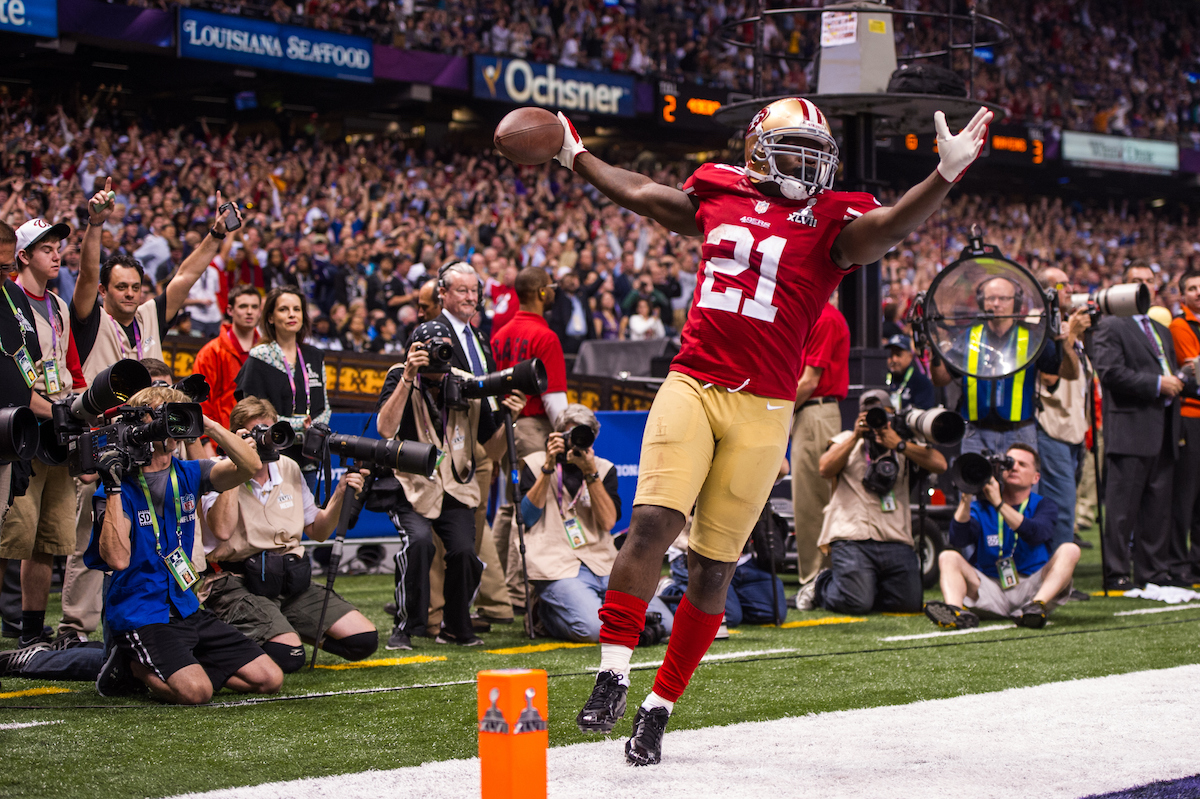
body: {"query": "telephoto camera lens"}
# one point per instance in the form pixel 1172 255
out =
pixel 877 418
pixel 412 457
pixel 936 425
pixel 528 377
pixel 18 434
pixel 112 387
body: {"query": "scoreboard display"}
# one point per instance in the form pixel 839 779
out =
pixel 1015 145
pixel 691 107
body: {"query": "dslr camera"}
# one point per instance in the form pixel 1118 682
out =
pixel 133 437
pixel 271 440
pixel 528 377
pixel 1126 299
pixel 971 471
pixel 936 426
pixel 578 440
pixel 412 457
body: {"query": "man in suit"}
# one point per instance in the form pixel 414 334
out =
pixel 570 318
pixel 1135 359
pixel 458 288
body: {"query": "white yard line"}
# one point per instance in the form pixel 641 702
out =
pixel 22 725
pixel 943 633
pixel 1114 726
pixel 1142 611
pixel 654 664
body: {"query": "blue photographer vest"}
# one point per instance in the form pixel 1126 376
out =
pixel 1012 398
pixel 144 592
pixel 991 547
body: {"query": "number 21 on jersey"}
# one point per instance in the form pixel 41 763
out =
pixel 730 299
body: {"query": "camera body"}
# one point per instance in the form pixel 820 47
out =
pixel 655 632
pixel 270 440
pixel 528 377
pixel 971 472
pixel 578 439
pixel 440 354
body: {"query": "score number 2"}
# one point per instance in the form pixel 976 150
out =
pixel 730 299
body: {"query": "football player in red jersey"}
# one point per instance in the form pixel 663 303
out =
pixel 778 240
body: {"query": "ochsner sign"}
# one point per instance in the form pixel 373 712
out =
pixel 255 43
pixel 515 80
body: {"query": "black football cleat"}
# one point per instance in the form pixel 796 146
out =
pixel 606 706
pixel 644 747
pixel 1033 615
pixel 950 617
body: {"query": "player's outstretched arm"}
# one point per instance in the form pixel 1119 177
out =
pixel 670 207
pixel 868 238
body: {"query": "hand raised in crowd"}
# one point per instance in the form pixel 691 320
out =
pixel 100 207
pixel 991 493
pixel 219 227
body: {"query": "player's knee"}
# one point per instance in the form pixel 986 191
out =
pixel 289 658
pixel 948 559
pixel 193 693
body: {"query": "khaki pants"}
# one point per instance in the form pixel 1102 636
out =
pixel 812 428
pixel 43 520
pixel 530 434
pixel 83 588
pixel 1085 501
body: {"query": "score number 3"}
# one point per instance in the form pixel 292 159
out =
pixel 759 306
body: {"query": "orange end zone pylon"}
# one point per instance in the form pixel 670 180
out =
pixel 513 734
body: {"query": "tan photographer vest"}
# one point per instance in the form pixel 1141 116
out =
pixel 112 344
pixel 276 526
pixel 425 494
pixel 548 554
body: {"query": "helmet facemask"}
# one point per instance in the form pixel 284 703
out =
pixel 816 166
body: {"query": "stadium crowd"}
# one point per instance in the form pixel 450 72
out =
pixel 1102 65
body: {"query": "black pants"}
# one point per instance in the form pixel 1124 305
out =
pixel 456 527
pixel 1186 502
pixel 870 575
pixel 1137 517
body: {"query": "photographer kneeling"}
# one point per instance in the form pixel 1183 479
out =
pixel 418 404
pixel 263 583
pixel 868 523
pixel 144 528
pixel 1008 571
pixel 570 504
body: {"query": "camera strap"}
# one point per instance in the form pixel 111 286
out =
pixel 292 378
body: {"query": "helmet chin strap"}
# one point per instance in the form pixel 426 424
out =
pixel 792 188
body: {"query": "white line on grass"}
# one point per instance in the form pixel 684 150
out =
pixel 1192 606
pixel 23 724
pixel 654 664
pixel 941 633
pixel 925 749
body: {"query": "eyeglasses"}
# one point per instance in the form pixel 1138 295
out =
pixel 1008 298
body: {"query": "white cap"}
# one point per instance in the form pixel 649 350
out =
pixel 562 272
pixel 35 230
pixel 416 271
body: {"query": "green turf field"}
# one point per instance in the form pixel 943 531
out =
pixel 135 748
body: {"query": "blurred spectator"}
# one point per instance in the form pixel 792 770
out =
pixel 905 381
pixel 642 324
pixel 1185 522
pixel 606 321
pixel 221 359
pixel 569 314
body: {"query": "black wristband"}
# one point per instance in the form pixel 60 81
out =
pixel 547 471
pixel 212 231
pixel 593 477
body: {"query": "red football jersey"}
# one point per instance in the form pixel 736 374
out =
pixel 764 277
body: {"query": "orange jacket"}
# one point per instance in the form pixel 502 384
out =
pixel 1187 347
pixel 219 361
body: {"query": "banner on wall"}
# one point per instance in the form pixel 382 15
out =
pixel 268 45
pixel 620 441
pixel 515 80
pixel 1120 153
pixel 32 17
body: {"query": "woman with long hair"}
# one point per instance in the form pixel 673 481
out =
pixel 286 371
pixel 607 319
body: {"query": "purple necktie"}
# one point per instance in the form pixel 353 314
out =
pixel 1150 335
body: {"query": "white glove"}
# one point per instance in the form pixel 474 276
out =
pixel 958 152
pixel 572 144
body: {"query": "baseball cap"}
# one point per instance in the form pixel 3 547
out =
pixel 900 342
pixel 35 230
pixel 874 396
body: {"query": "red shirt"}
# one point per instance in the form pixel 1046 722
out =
pixel 766 274
pixel 504 301
pixel 219 361
pixel 74 365
pixel 528 336
pixel 828 349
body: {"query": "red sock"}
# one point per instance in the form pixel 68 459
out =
pixel 622 618
pixel 691 636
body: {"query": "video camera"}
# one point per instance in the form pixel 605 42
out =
pixel 528 377
pixel 1126 299
pixel 412 457
pixel 270 440
pixel 578 439
pixel 970 471
pixel 133 437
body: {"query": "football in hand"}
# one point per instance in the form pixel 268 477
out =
pixel 529 135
